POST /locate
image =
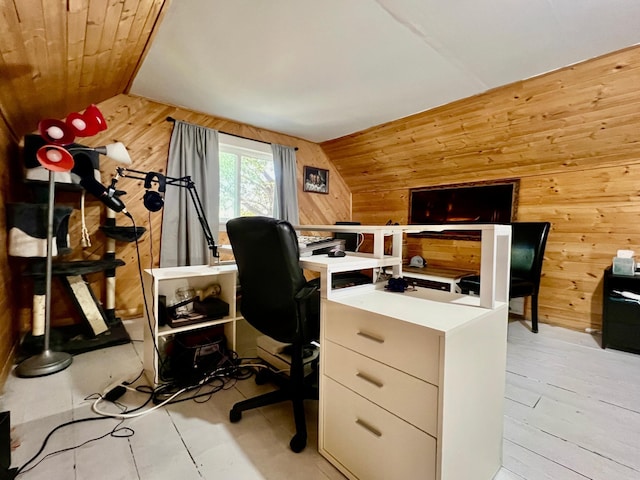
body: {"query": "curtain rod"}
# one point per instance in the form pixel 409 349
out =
pixel 172 120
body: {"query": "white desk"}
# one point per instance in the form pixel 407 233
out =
pixel 412 384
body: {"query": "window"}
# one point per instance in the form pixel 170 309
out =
pixel 247 178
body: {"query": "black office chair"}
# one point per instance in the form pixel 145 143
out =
pixel 528 241
pixel 278 301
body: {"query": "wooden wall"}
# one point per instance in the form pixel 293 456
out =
pixel 9 284
pixel 58 56
pixel 141 125
pixel 571 136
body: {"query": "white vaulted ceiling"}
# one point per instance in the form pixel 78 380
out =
pixel 322 69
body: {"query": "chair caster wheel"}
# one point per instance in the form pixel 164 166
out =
pixel 262 376
pixel 235 415
pixel 298 442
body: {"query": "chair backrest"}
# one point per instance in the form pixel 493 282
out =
pixel 267 255
pixel 528 241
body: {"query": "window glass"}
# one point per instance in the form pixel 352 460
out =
pixel 247 178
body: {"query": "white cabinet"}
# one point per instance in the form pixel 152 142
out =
pixel 412 386
pixel 165 281
pixel 366 441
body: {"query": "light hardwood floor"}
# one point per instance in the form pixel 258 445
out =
pixel 572 411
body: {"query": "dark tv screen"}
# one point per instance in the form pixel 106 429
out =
pixel 464 203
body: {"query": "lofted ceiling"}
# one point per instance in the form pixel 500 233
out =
pixel 324 69
pixel 313 69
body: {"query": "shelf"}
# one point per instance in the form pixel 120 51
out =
pixel 167 330
pixel 75 267
pixel 164 282
pixel 494 258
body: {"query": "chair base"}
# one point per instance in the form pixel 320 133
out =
pixel 295 389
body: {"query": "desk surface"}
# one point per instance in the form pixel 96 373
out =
pixel 162 273
pixel 352 261
pixel 446 311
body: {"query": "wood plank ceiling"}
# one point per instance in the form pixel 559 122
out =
pixel 59 56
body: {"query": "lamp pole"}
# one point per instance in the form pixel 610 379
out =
pixel 48 361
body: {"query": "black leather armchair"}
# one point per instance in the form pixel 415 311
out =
pixel 279 302
pixel 528 242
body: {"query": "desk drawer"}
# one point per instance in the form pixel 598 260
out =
pixel 372 443
pixel 409 398
pixel 402 345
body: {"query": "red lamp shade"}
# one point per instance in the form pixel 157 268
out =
pixel 55 131
pixel 81 125
pixel 55 158
pixel 93 115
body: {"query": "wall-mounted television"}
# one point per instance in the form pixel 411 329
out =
pixel 476 202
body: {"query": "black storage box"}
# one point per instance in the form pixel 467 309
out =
pixel 211 307
pixel 197 354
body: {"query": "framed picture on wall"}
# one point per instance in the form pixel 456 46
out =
pixel 316 180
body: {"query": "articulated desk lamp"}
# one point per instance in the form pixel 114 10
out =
pixel 57 156
pixel 154 201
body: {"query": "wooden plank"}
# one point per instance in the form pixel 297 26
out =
pixel 574 409
pixel 523 463
pixel 117 49
pixel 78 12
pixel 149 13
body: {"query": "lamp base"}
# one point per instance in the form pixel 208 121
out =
pixel 45 363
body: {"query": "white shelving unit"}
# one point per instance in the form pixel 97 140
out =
pixel 165 281
pixel 495 259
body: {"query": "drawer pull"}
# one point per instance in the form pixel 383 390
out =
pixel 369 336
pixel 367 378
pixel 369 428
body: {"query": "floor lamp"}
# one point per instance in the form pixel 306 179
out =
pixel 48 361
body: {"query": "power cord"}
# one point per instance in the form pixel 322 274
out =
pixel 224 378
pixel 149 312
pixel 117 431
pixel 125 415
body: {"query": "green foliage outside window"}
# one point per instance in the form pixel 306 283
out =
pixel 247 184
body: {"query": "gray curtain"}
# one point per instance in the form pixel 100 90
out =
pixel 286 202
pixel 193 151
